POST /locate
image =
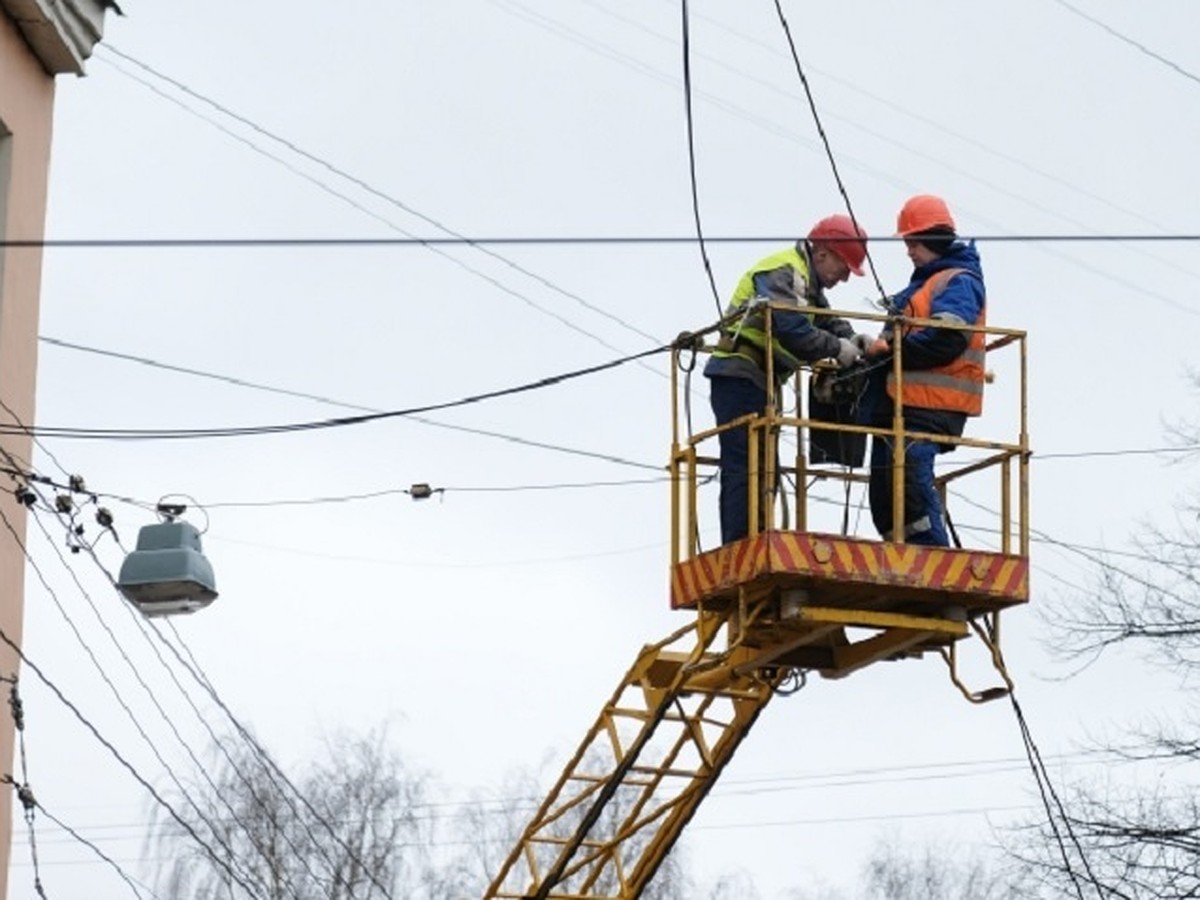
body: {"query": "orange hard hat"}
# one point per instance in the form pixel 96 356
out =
pixel 921 213
pixel 845 239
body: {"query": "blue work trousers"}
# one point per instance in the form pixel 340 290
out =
pixel 924 517
pixel 732 398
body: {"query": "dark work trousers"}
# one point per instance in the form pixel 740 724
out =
pixel 732 398
pixel 924 518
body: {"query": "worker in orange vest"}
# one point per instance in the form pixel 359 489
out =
pixel 943 368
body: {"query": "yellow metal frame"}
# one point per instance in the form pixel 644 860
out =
pixel 687 460
pixel 768 609
pixel 842 572
pixel 664 736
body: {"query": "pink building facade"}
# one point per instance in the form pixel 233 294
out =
pixel 39 40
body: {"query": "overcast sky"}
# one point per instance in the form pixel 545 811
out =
pixel 488 627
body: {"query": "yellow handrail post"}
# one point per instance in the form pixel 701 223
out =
pixel 801 460
pixel 898 535
pixel 674 467
pixel 1023 465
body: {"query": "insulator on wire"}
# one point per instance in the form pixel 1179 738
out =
pixel 25 795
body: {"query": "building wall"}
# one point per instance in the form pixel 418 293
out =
pixel 26 106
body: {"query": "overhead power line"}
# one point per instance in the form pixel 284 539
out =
pixel 691 150
pixel 379 194
pixel 1130 41
pixel 537 240
pixel 272 389
pixel 216 857
pixel 812 107
pixel 317 425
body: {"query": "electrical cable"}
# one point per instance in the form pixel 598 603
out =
pixel 269 764
pixel 241 382
pixel 133 883
pixel 183 792
pixel 29 801
pixel 272 770
pixel 200 767
pixel 837 176
pixel 1080 550
pixel 409 236
pixel 255 747
pixel 23 788
pixel 247 431
pixel 158 798
pixel 1128 40
pixel 940 124
pixel 633 240
pixel 121 701
pixel 691 148
pixel 1020 196
pixel 1047 793
pixel 773 784
pixel 376 192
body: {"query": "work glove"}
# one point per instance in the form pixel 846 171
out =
pixel 848 353
pixel 862 342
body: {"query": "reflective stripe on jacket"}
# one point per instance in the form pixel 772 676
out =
pixel 958 385
pixel 746 336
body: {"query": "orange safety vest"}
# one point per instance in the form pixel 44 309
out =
pixel 956 386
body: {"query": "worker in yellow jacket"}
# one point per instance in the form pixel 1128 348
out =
pixel 798 276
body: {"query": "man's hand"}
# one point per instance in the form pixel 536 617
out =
pixel 848 353
pixel 869 346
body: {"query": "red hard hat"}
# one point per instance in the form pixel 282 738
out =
pixel 845 239
pixel 921 213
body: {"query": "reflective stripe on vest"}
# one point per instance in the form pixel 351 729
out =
pixel 956 386
pixel 751 328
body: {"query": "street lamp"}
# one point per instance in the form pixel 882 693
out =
pixel 167 574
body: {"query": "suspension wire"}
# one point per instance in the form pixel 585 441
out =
pixel 258 386
pixel 1128 40
pixel 320 424
pixel 216 833
pixel 30 803
pixel 8 409
pixel 545 240
pixel 269 764
pixel 812 105
pixel 691 148
pixel 272 769
pixel 104 676
pixel 258 751
pixel 23 788
pixel 133 883
pixel 221 747
pixel 455 236
pixel 217 792
pixel 128 766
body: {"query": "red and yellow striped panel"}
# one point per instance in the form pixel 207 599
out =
pixel 849 560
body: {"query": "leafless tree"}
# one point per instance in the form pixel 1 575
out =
pixel 355 824
pixel 942 872
pixel 1122 841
